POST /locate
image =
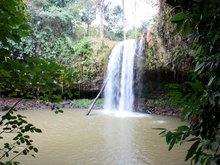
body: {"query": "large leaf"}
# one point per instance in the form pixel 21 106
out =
pixel 199 67
pixel 179 17
pixel 186 28
pixel 178 27
pixel 192 150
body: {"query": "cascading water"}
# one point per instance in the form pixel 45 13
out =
pixel 119 92
pixel 126 99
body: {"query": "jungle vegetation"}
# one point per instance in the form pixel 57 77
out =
pixel 51 46
pixel 197 23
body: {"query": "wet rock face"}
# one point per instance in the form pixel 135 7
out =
pixel 88 90
pixel 164 110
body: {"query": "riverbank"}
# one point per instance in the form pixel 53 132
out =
pixel 164 110
pixel 29 104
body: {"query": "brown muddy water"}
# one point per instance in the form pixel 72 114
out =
pixel 72 138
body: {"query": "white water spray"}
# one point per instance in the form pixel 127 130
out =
pixel 126 100
pixel 119 91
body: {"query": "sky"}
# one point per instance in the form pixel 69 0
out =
pixel 145 10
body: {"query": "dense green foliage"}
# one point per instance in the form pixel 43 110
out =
pixel 45 53
pixel 199 97
pixel 25 59
pixel 13 26
pixel 162 101
pixel 59 35
pixel 53 58
pixel 84 63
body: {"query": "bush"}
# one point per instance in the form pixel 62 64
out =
pixel 85 103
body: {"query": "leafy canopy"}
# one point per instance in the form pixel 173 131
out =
pixel 199 97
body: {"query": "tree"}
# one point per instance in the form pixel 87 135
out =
pixel 101 6
pixel 123 17
pixel 135 18
pixel 199 97
pixel 14 26
pixel 23 76
pixel 114 22
pixel 88 14
pixel 62 3
pixel 144 26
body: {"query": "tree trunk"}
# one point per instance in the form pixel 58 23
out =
pixel 101 19
pixel 87 30
pixel 93 103
pixel 123 15
pixel 135 18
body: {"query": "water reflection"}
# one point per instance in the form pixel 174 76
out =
pixel 75 139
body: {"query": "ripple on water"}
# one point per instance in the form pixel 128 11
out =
pixel 124 114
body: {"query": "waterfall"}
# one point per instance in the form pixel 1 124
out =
pixel 119 91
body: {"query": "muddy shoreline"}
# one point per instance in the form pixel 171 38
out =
pixel 29 104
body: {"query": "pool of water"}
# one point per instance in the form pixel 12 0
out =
pixel 72 138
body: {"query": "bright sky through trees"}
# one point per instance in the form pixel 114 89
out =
pixel 145 10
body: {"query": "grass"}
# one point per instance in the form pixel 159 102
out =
pixel 85 103
pixel 161 101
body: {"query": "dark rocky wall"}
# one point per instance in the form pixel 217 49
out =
pixel 155 81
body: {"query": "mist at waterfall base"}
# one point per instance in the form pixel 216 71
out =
pixel 124 75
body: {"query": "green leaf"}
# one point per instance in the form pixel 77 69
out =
pixel 199 67
pixel 6 129
pixel 171 144
pixel 178 27
pixel 15 138
pixel 186 28
pixel 35 150
pixel 183 128
pixel 25 152
pixel 31 148
pixel 211 80
pixel 192 150
pixel 61 111
pixel 179 17
pixel 168 137
pixel 25 26
pixel 161 129
pixel 21 116
pixel 193 139
pixel 26 136
pixel 27 142
pixel 38 130
pixel 22 140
